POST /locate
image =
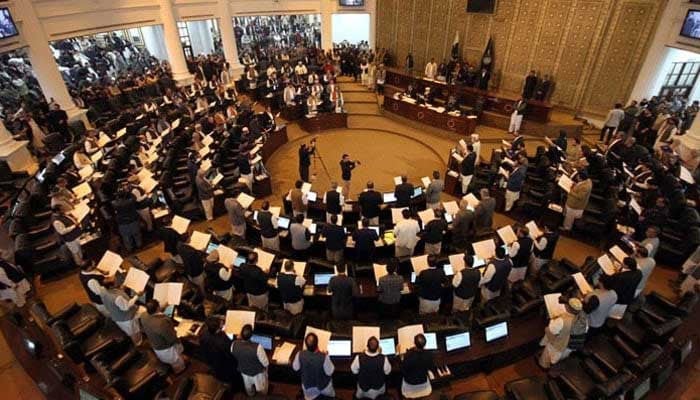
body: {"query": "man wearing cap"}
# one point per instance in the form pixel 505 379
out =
pixel 564 334
pixel 316 369
pixel 219 276
pixel 371 368
pixel 577 199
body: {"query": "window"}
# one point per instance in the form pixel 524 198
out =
pixel 185 38
pixel 681 79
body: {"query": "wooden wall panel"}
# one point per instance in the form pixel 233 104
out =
pixel 438 34
pixel 420 32
pixel 404 30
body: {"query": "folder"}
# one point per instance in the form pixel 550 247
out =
pixel 203 151
pixel 245 200
pixel 148 184
pixel 144 173
pixel 86 171
pixel 535 231
pixel 180 224
pixel 451 207
pixel 457 262
pixel 583 286
pixel 205 165
pixel 419 263
pixel 606 265
pixel 323 337
pixel 472 201
pixel 283 353
pixel 237 319
pixel 199 240
pixel 507 234
pixel 486 249
pixel 265 259
pixel 396 215
pixel 426 216
pixel 618 253
pixel 565 183
pixel 554 308
pixel 82 190
pixel 360 336
pixel 407 335
pixel 227 255
pixel 379 272
pixel 80 211
pixel 136 279
pixel 110 263
pixel 168 293
pixel 215 181
pixel 426 181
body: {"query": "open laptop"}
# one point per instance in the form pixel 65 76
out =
pixel 283 222
pixel 388 346
pixel 340 348
pixel 389 197
pixel 375 228
pixel 417 192
pixel 449 271
pixel 322 279
pixel 430 341
pixel 496 331
pixel 267 342
pixel 239 261
pixel 457 341
pixel 312 196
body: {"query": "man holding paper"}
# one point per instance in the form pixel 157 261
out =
pixel 466 285
pixel 577 199
pixel 429 283
pixel 68 229
pixel 389 288
pixel 416 366
pixel 520 252
pixel 544 246
pixel 370 202
pixel 433 191
pixel 127 217
pixel 236 216
pixel 371 368
pixel 342 288
pixel 467 167
pixel 268 223
pixel 291 288
pixel 316 369
pixel 254 282
pixel 403 193
pixel 160 331
pixel 219 276
pixel 495 277
pixel 122 309
pixel 205 191
pixel 598 304
pixel 252 362
pixel 406 233
pixel 433 233
pixel 515 183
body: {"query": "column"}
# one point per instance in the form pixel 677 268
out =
pixel 200 37
pixel 44 65
pixel 327 25
pixel 228 40
pixel 690 145
pixel 154 41
pixel 15 153
pixel 176 55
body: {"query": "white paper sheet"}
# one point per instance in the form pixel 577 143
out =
pixel 583 286
pixel 360 336
pixel 237 319
pixel 180 224
pixel 457 262
pixel 618 253
pixel 396 215
pixel 535 231
pixel 265 259
pixel 245 200
pixel 554 308
pixel 136 279
pixel 472 201
pixel 199 240
pixel 426 181
pixel 323 337
pixel 565 183
pixel 606 265
pixel 419 263
pixel 407 336
pixel 426 216
pixel 451 207
pixel 283 353
pixel 485 249
pixel 226 255
pixel 507 234
pixel 168 293
pixel 379 272
pixel 110 263
pixel 82 190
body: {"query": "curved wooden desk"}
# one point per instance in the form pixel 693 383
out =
pixel 462 125
pixel 324 122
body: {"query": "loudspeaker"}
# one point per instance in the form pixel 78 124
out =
pixel 481 6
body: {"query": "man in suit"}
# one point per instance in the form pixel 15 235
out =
pixel 598 304
pixel 370 204
pixel 160 331
pixel 416 366
pixel 122 309
pixel 433 191
pixel 466 285
pixel 483 213
pixel 516 118
pixel 467 167
pixel 291 288
pixel 205 191
pixel 252 362
pixel 364 239
pixel 342 288
pixel 127 217
pixel 462 226
pixel 316 369
pixel 543 89
pixel 577 199
pixel 403 193
pixel 268 223
pixel 346 167
pixel 69 231
pixel 515 183
pixel 433 233
pixel 530 86
pixel 335 240
pixel 371 368
pixel 429 283
pixel 625 282
pixel 495 277
pixel 484 78
pixel 305 153
pixel 193 262
pixel 334 200
pixel 215 351
pixel 254 282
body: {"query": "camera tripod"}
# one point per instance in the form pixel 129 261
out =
pixel 317 156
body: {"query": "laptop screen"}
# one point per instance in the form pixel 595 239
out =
pixel 312 229
pixel 312 196
pixel 457 341
pixel 264 341
pixel 283 222
pixel 448 218
pixel 413 277
pixel 375 228
pixel 238 261
pixel 389 197
pixel 430 341
pixel 339 348
pixel 388 346
pixel 211 247
pixel 449 271
pixel 322 279
pixel 417 192
pixel 497 331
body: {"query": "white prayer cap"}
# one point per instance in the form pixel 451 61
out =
pixel 556 325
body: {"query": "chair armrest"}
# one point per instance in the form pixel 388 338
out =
pixel 65 313
pixel 553 390
pixel 594 370
pixel 625 347
pixel 123 361
pixel 614 384
pixel 647 358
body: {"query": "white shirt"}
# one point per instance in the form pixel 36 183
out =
pixel 406 232
pixel 431 70
pixel 300 70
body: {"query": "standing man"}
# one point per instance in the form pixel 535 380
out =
pixel 516 181
pixel 316 369
pixel 298 199
pixel 530 85
pixel 342 288
pixel 612 122
pixel 406 233
pixel 346 167
pixel 69 231
pixel 14 285
pixel 370 204
pixel 305 153
pixel 577 199
pixel 433 233
pixel 127 217
pixel 389 288
pixel 334 201
pixel 254 282
pixel 543 250
pixel 467 168
pixel 403 192
pixel 495 277
pixel 236 215
pixel 433 191
pixel 291 288
pixel 429 283
pixel 371 368
pixel 416 366
pixel 205 191
pixel 431 69
pixel 364 239
pixel 466 285
pixel 252 362
pixel 335 240
pixel 160 331
pixel 122 310
pixel 268 228
pixel 483 213
pixel 516 118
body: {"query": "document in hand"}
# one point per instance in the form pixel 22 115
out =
pixel 407 335
pixel 97 156
pixel 86 171
pixel 379 272
pixel 503 172
pixel 180 224
pixel 283 353
pixel 565 183
pixel 583 286
pixel 207 140
pixel 419 263
pixel 136 279
pixel 199 240
pixel 299 267
pixel 110 263
pixel 227 255
pixel 426 216
pixel 305 187
pixel 82 190
pixel 360 336
pixel 507 234
pixel 457 262
pixel 426 181
pixel 618 253
pixel 397 180
pixel 144 173
pixel 554 308
pixel 265 259
pixel 686 175
pixel 396 215
pixel 606 265
pixel 472 201
pixel 535 231
pixel 168 293
pixel 103 139
pixel 206 165
pixel 486 249
pixel 323 337
pixel 635 206
pixel 175 124
pixel 451 207
pixel 237 319
pixel 121 133
pixel 80 211
pixel 203 151
pixel 148 184
pixel 245 200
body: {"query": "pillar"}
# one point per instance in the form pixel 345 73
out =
pixel 228 40
pixel 176 56
pixel 200 37
pixel 154 41
pixel 44 65
pixel 327 8
pixel 690 146
pixel 15 153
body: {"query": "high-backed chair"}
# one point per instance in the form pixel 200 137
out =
pixel 535 388
pixel 200 386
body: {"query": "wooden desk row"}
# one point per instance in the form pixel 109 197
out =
pixel 461 125
pixel 323 122
pixel 495 102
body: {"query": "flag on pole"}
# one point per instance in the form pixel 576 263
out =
pixel 455 46
pixel 487 58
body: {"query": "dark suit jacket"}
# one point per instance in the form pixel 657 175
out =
pixel 403 193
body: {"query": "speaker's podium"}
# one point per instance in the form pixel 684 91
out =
pixel 452 185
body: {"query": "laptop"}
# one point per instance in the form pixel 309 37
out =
pixel 322 279
pixel 417 192
pixel 313 228
pixel 265 341
pixel 457 341
pixel 239 261
pixel 389 197
pixel 311 196
pixel 283 222
pixel 497 331
pixel 388 346
pixel 430 341
pixel 211 247
pixel 374 228
pixel 169 311
pixel 448 218
pixel 340 348
pixel 449 271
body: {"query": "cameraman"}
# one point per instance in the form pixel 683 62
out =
pixel 305 153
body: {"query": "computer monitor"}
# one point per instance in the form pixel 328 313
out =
pixel 340 348
pixel 211 247
pixel 389 197
pixel 413 277
pixel 255 216
pixel 375 228
pixel 263 340
pixel 58 158
pixel 497 331
pixel 313 229
pixel 283 222
pixel 457 341
pixel 448 218
pixel 417 192
pixel 238 261
pixel 312 196
pixel 449 271
pixel 430 340
pixel 478 262
pixel 322 279
pixel 169 311
pixel 388 346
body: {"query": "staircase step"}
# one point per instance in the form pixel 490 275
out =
pixel 359 97
pixel 362 108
